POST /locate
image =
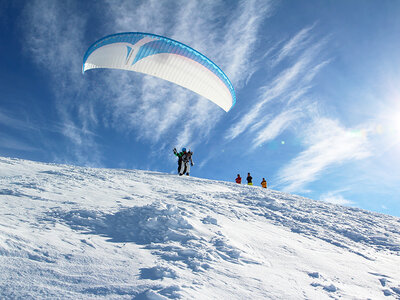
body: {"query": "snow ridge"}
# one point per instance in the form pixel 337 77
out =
pixel 83 233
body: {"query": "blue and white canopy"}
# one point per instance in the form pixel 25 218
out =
pixel 164 58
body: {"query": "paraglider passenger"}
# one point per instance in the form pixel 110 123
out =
pixel 249 179
pixel 264 183
pixel 188 161
pixel 238 179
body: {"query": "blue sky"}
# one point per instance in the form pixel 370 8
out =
pixel 317 85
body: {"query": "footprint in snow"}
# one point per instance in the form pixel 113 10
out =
pixel 313 274
pixel 159 293
pixel 209 220
pixel 331 288
pixel 157 272
pixel 389 289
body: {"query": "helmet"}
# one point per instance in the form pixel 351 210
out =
pixel 183 149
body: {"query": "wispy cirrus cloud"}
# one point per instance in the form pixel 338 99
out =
pixel 7 119
pixel 226 36
pixel 205 26
pixel 53 37
pixel 295 44
pixel 276 126
pixel 335 197
pixel 240 34
pixel 29 127
pixel 290 84
pixel 328 144
pixel 150 109
pixel 8 142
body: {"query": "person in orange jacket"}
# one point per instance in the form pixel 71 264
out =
pixel 264 183
pixel 238 179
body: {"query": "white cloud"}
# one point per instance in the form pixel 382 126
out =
pixel 239 39
pixel 335 198
pixel 328 144
pixel 290 84
pixel 7 119
pixel 53 36
pixel 15 144
pixel 163 107
pixel 150 109
pixel 247 120
pixel 295 44
pixel 276 126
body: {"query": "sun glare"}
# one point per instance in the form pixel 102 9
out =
pixel 391 124
pixel 397 124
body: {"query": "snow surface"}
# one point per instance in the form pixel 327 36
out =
pixel 82 233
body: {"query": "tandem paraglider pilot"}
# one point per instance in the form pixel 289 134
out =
pixel 185 161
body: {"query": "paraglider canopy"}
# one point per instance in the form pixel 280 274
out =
pixel 163 58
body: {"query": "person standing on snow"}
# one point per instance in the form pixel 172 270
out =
pixel 264 183
pixel 180 161
pixel 184 158
pixel 238 179
pixel 188 161
pixel 249 179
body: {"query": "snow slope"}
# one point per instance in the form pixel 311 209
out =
pixel 82 233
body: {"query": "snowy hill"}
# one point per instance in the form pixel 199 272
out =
pixel 82 233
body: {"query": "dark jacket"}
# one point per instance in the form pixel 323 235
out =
pixel 179 154
pixel 187 157
pixel 249 179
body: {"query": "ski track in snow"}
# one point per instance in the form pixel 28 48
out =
pixel 83 233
